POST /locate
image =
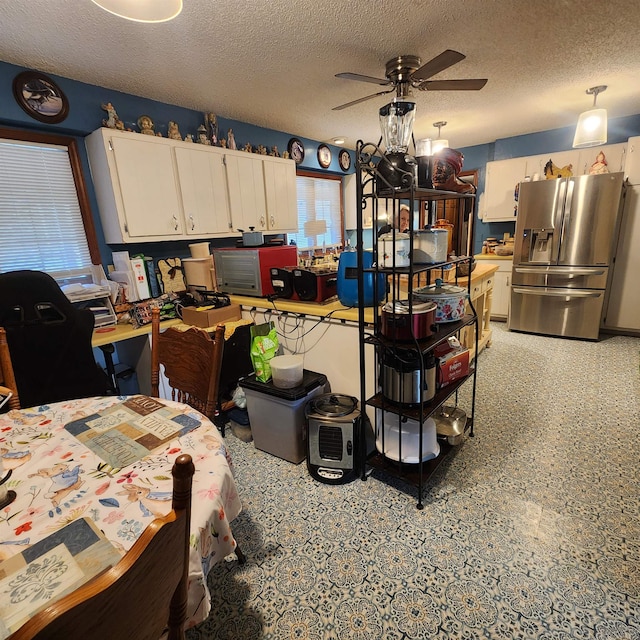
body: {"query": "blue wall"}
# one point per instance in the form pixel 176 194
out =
pixel 552 141
pixel 86 115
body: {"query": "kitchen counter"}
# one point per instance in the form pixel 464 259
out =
pixel 491 256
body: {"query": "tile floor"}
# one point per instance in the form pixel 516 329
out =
pixel 530 530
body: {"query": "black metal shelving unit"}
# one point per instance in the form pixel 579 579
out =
pixel 372 188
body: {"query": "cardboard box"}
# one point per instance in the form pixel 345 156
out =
pixel 206 317
pixel 452 365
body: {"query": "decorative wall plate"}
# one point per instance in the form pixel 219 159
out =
pixel 324 156
pixel 344 160
pixel 296 150
pixel 40 97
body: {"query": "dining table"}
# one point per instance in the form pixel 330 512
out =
pixel 99 470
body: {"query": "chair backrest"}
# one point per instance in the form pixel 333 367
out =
pixel 145 593
pixel 7 377
pixel 192 361
pixel 49 341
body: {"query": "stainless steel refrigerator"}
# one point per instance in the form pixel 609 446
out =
pixel 566 233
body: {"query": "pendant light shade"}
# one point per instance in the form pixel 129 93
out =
pixel 439 143
pixel 142 10
pixel 591 129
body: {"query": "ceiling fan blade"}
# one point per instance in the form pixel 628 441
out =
pixel 453 85
pixel 361 78
pixel 445 60
pixel 350 104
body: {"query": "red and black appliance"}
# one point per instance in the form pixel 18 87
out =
pixel 315 284
pixel 282 282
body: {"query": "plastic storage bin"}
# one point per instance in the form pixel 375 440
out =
pixel 277 415
pixel 410 439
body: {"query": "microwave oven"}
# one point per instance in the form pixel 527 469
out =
pixel 247 270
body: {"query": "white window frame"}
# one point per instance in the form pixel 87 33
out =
pixel 317 213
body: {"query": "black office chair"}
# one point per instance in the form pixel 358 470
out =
pixel 49 341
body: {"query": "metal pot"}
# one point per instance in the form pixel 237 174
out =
pixel 449 298
pixel 251 238
pixel 399 324
pixel 451 422
pixel 403 379
pixel 393 244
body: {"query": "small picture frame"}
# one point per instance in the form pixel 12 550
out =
pixel 296 150
pixel 344 160
pixel 324 156
pixel 40 97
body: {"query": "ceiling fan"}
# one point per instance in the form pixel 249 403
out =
pixel 405 72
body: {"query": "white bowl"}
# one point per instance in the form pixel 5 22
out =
pixel 287 371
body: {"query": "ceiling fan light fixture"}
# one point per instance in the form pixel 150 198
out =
pixel 142 10
pixel 591 129
pixel 396 124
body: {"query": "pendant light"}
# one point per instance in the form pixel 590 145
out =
pixel 592 125
pixel 142 10
pixel 439 143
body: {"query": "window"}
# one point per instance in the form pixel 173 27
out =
pixel 319 211
pixel 45 220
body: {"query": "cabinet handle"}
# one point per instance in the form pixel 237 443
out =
pixel 193 224
pixel 262 221
pixel 175 223
pixel 507 281
pixel 273 222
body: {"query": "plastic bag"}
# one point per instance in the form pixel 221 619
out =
pixel 264 346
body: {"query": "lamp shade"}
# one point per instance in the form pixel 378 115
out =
pixel 424 147
pixel 439 144
pixel 591 129
pixel 142 10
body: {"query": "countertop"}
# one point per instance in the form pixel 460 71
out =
pixel 491 256
pixel 333 308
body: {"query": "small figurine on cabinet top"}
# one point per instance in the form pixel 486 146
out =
pixel 112 121
pixel 223 143
pixel 231 140
pixel 599 166
pixel 211 121
pixel 262 150
pixel 174 132
pixel 202 135
pixel 274 152
pixel 145 124
pixel 285 154
pixel 248 148
pixel 188 137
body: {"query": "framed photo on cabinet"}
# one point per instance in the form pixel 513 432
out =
pixel 324 156
pixel 40 97
pixel 344 160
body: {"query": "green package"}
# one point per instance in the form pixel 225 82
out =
pixel 264 346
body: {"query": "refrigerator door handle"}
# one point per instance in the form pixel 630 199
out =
pixel 565 271
pixel 567 293
pixel 566 218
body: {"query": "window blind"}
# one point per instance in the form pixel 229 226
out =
pixel 319 213
pixel 41 224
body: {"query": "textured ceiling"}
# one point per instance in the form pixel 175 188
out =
pixel 272 62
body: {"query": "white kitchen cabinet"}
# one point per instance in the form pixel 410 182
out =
pixel 351 206
pixel 499 201
pixel 136 187
pixel 615 155
pixel 202 179
pixel 281 194
pixel 632 161
pixel 501 290
pixel 247 200
pixel 151 189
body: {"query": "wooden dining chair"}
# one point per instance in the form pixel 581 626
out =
pixel 7 376
pixel 144 595
pixel 192 362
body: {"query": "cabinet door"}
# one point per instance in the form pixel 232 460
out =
pixel 203 189
pixel 615 156
pixel 280 191
pixel 632 161
pixel 147 187
pixel 245 182
pixel 501 295
pixel 499 200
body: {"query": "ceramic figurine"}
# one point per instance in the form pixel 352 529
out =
pixel 262 150
pixel 551 171
pixel 145 124
pixel 285 154
pixel 447 164
pixel 174 132
pixel 599 166
pixel 112 121
pixel 248 148
pixel 274 152
pixel 223 143
pixel 211 121
pixel 202 135
pixel 188 137
pixel 231 140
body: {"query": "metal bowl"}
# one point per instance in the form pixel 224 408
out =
pixel 450 422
